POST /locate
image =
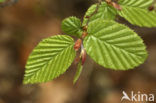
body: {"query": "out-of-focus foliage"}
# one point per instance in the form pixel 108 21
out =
pixel 2 1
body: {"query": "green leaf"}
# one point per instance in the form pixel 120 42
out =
pixel 136 3
pixel 72 26
pixel 114 46
pixel 49 59
pixel 78 72
pixel 136 12
pixel 105 12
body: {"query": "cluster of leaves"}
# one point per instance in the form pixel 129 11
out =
pixel 108 43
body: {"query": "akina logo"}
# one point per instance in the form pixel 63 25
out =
pixel 138 97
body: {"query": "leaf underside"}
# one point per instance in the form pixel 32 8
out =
pixel 136 12
pixel 114 46
pixel 105 12
pixel 49 59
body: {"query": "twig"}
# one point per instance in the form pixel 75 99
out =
pixel 114 4
pixel 84 34
pixel 96 10
pixel 79 43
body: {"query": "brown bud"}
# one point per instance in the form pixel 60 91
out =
pixel 151 8
pixel 117 6
pixel 84 34
pixel 77 44
pixel 87 17
pixel 85 28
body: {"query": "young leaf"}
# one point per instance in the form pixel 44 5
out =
pixel 49 59
pixel 136 12
pixel 114 46
pixel 78 72
pixel 72 26
pixel 105 12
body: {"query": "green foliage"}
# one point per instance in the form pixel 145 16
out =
pixel 78 72
pixel 114 46
pixel 108 43
pixel 136 12
pixel 72 26
pixel 2 1
pixel 49 59
pixel 105 12
pixel 136 3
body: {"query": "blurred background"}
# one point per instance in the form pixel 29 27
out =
pixel 24 23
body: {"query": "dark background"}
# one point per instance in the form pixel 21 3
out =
pixel 25 23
